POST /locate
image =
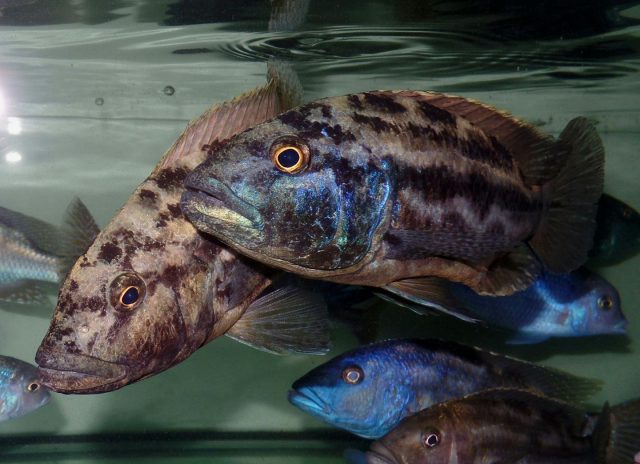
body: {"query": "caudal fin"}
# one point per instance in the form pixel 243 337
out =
pixel 566 230
pixel 617 434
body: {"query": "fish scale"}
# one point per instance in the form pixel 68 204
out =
pixel 19 260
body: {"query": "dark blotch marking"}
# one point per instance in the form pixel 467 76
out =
pixel 354 102
pixel 377 124
pixel 435 114
pixel 148 195
pixel 173 275
pixel 174 210
pixel 110 252
pixel 73 285
pixel 384 102
pixel 171 178
pixel 307 129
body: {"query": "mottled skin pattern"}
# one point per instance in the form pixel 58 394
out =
pixel 195 289
pixel 395 188
pixel 402 377
pixel 494 426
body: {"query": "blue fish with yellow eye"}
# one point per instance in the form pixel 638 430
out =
pixel 369 390
pixel 577 304
pixel 20 389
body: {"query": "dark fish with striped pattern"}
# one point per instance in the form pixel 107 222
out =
pixel 387 188
pixel 151 290
pixel 512 426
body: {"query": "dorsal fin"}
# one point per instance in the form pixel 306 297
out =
pixel 539 156
pixel 226 119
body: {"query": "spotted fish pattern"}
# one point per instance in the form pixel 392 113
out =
pixel 393 186
pixel 151 290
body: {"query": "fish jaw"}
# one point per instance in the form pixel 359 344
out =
pixel 308 401
pixel 380 454
pixel 77 373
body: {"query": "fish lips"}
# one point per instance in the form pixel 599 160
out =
pixel 309 402
pixel 78 373
pixel 214 208
pixel 380 454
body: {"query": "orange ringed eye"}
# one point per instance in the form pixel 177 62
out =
pixel 290 159
pixel 353 375
pixel 34 386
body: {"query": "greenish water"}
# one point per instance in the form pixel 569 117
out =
pixel 86 83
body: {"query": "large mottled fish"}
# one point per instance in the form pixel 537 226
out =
pixel 367 391
pixel 20 389
pixel 509 427
pixel 384 188
pixel 150 290
pixel 577 304
pixel 35 255
pixel 617 235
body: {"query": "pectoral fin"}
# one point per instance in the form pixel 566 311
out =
pixel 510 273
pixel 287 320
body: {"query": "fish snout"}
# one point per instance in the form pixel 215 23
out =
pixel 77 373
pixel 380 454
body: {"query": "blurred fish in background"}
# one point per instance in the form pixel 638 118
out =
pixel 617 235
pixel 35 255
pixel 20 389
pixel 577 304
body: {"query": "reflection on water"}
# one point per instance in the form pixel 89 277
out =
pixel 93 92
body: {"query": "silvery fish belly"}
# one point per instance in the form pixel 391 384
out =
pixel 385 188
pixel 20 260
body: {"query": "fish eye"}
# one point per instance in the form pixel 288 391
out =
pixel 127 291
pixel 605 302
pixel 431 439
pixel 33 387
pixel 290 155
pixel 352 375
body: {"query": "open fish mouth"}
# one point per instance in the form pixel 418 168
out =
pixel 215 201
pixel 78 373
pixel 380 454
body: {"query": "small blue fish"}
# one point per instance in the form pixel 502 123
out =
pixel 20 389
pixel 557 305
pixel 34 255
pixel 367 391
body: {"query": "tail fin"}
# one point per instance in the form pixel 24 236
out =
pixel 617 433
pixel 565 234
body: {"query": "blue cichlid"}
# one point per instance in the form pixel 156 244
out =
pixel 617 234
pixel 577 304
pixel 34 255
pixel 384 188
pixel 367 391
pixel 20 389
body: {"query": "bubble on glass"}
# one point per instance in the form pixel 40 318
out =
pixel 169 90
pixel 99 101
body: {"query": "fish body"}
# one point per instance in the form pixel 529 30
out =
pixel 511 426
pixel 151 290
pixel 577 304
pixel 617 235
pixel 369 390
pixel 20 389
pixel 381 188
pixel 34 254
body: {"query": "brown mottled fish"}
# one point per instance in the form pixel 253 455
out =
pixel 386 188
pixel 151 290
pixel 512 427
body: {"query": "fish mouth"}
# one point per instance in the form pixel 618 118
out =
pixel 212 201
pixel 309 402
pixel 78 373
pixel 380 454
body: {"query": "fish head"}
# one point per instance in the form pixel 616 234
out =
pixel 617 234
pixel 601 306
pixel 427 437
pixel 363 392
pixel 298 191
pixel 22 390
pixel 123 309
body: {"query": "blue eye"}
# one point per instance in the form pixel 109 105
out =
pixel 127 291
pixel 290 157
